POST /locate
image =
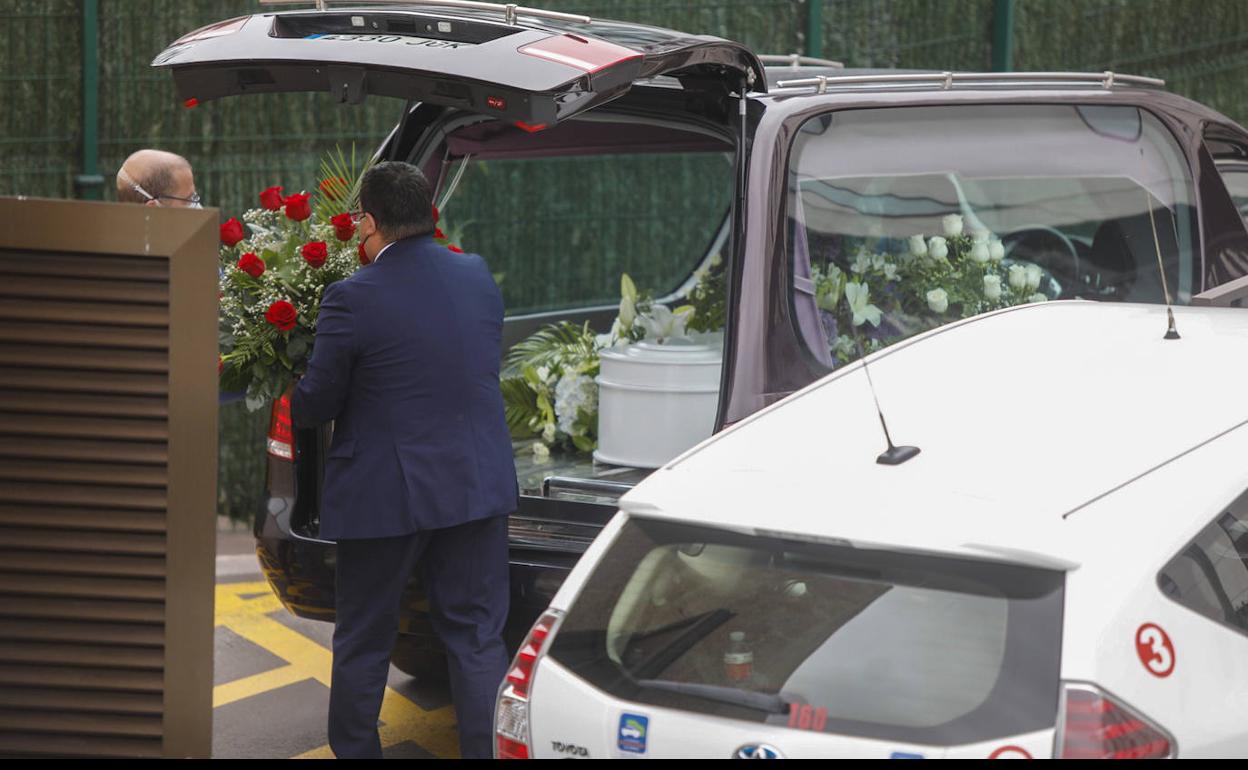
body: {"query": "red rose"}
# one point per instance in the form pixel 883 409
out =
pixel 455 249
pixel 344 228
pixel 333 188
pixel 271 199
pixel 282 314
pixel 437 233
pixel 231 232
pixel 364 260
pixel 251 265
pixel 315 253
pixel 436 215
pixel 297 207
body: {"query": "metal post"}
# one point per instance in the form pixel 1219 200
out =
pixel 1003 35
pixel 814 28
pixel 90 183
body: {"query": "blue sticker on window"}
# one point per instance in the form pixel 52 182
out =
pixel 633 729
pixel 905 755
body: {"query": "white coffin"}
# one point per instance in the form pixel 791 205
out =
pixel 655 401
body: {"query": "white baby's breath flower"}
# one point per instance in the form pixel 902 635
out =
pixel 938 300
pixel 952 224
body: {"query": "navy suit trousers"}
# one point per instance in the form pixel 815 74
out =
pixel 465 573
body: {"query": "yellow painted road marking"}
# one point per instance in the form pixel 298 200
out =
pixel 402 720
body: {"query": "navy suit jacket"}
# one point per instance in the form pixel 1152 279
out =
pixel 406 364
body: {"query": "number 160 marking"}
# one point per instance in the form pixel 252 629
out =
pixel 808 717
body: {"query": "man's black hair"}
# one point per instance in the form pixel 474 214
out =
pixel 399 198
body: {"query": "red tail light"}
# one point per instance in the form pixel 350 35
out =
pixel 512 736
pixel 588 54
pixel 281 433
pixel 1096 726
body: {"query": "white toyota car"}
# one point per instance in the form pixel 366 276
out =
pixel 1058 572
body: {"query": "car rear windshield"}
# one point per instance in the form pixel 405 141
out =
pixel 818 637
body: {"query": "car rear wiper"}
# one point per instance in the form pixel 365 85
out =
pixel 772 704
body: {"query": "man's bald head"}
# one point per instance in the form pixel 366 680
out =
pixel 159 173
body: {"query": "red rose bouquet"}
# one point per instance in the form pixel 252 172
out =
pixel 275 265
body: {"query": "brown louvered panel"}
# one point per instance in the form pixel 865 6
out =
pixel 78 334
pixel 76 655
pixel 84 609
pixel 76 266
pixel 82 494
pixel 79 700
pixel 89 519
pixel 143 635
pixel 81 587
pixel 84 312
pixel 84 404
pixel 107 479
pixel 135 452
pixel 61 677
pixel 91 290
pixel 81 564
pixel 111 543
pixel 18 744
pixel 82 427
pixel 63 472
pixel 136 726
pixel 82 358
pixel 103 383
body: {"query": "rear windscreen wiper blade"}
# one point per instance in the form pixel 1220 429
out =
pixel 759 701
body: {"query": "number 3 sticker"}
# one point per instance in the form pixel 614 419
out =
pixel 1155 650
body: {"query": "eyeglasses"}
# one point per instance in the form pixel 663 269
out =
pixel 193 202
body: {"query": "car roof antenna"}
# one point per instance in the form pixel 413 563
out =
pixel 894 455
pixel 1172 331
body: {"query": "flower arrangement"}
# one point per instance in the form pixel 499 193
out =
pixel 275 265
pixel 549 388
pixel 883 298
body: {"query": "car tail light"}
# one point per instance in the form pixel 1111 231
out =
pixel 587 54
pixel 227 27
pixel 512 737
pixel 1097 726
pixel 281 433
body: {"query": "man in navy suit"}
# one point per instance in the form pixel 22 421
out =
pixel 420 472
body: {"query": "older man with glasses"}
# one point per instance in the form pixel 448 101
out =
pixel 157 178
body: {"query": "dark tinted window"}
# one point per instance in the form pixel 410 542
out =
pixel 1210 575
pixel 834 639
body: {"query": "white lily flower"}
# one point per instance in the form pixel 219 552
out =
pixel 661 324
pixel 1033 277
pixel 861 263
pixel 952 224
pixel 980 234
pixel 979 253
pixel 1037 297
pixel 938 300
pixel 918 246
pixel 937 248
pixel 548 433
pixel 996 250
pixel 1018 277
pixel 890 271
pixel 992 287
pixel 858 296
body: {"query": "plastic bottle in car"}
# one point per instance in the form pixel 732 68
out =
pixel 738 659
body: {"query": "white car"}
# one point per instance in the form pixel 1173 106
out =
pixel 1059 571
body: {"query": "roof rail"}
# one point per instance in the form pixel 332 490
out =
pixel 797 60
pixel 509 11
pixel 947 80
